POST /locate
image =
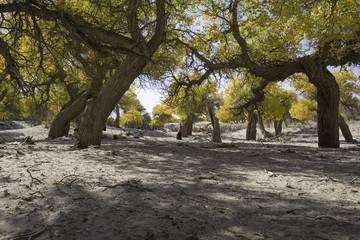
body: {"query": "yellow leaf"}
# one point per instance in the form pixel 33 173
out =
pixel 56 233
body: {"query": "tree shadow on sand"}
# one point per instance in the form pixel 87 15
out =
pixel 194 191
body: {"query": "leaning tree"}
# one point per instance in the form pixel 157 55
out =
pixel 131 31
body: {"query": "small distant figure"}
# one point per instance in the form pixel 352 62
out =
pixel 178 135
pixel 136 134
pixel 104 129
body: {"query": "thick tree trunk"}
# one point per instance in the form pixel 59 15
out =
pixel 188 126
pixel 278 126
pixel 251 127
pixel 77 121
pixel 117 119
pixel 61 124
pixel 345 130
pixel 99 107
pixel 328 97
pixel 216 136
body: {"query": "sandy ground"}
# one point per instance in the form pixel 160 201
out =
pixel 157 187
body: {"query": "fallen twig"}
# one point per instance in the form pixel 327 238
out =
pixel 113 186
pixel 33 234
pixel 68 176
pixel 327 178
pixel 28 140
pixel 130 183
pixel 32 178
pixel 38 192
pixel 353 180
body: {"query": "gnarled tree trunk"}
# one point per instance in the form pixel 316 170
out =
pixel 328 98
pixel 216 136
pixel 345 130
pixel 99 107
pixel 61 124
pixel 251 127
pixel 188 126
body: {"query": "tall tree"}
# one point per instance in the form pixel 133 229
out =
pixel 133 30
pixel 274 40
pixel 349 101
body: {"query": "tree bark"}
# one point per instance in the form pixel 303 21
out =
pixel 328 98
pixel 61 124
pixel 99 107
pixel 345 130
pixel 117 119
pixel 278 127
pixel 216 136
pixel 251 127
pixel 188 126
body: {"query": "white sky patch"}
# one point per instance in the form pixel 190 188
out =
pixel 149 98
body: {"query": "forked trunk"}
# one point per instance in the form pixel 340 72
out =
pixel 328 97
pixel 99 107
pixel 345 130
pixel 216 137
pixel 61 124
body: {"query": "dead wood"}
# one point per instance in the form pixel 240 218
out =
pixel 32 234
pixel 28 140
pixel 33 178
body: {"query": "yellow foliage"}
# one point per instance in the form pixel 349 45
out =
pixel 132 116
pixel 192 101
pixel 303 110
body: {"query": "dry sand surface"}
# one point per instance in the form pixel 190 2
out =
pixel 156 187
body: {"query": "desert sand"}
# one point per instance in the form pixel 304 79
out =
pixel 157 187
